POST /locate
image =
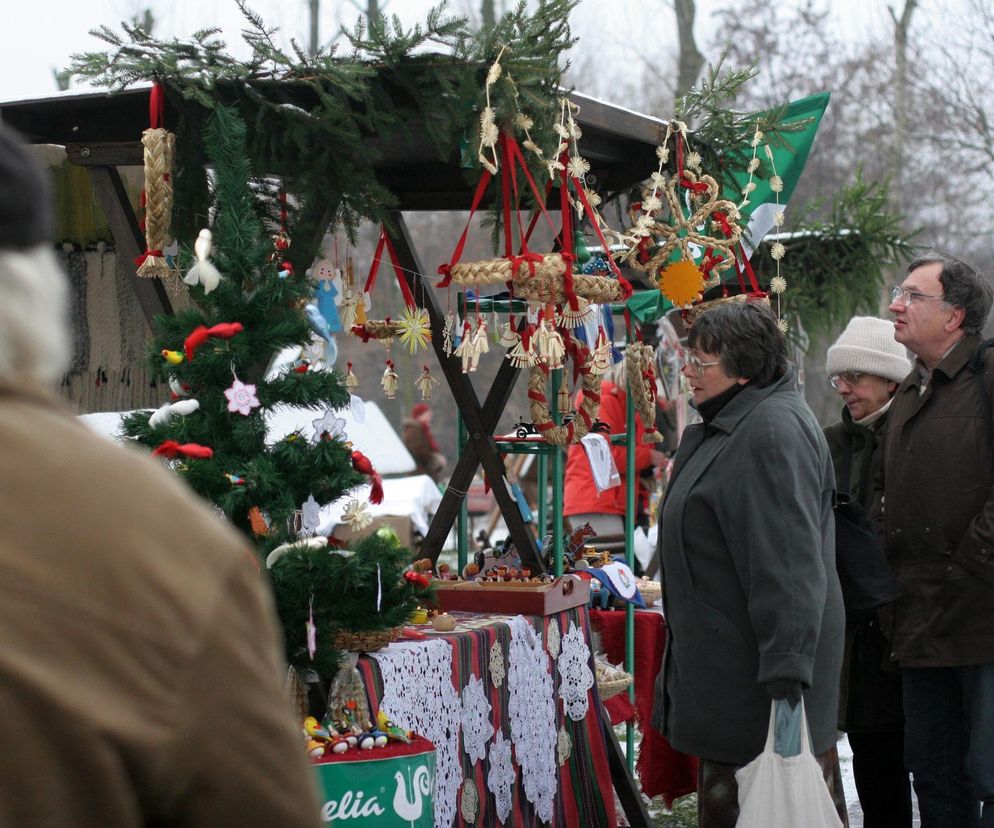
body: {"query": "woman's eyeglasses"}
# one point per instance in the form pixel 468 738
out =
pixel 850 378
pixel 696 365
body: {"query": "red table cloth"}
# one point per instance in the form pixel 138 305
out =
pixel 661 770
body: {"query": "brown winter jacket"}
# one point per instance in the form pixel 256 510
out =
pixel 140 676
pixel 938 514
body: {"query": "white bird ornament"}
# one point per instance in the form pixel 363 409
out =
pixel 203 272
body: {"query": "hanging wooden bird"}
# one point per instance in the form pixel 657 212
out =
pixel 425 382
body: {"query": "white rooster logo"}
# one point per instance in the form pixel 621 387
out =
pixel 420 786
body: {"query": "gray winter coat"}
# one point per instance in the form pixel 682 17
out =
pixel 750 591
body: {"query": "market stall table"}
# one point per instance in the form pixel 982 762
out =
pixel 661 770
pixel 494 683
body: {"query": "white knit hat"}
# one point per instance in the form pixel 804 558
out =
pixel 867 346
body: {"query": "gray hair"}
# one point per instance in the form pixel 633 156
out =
pixel 962 287
pixel 34 337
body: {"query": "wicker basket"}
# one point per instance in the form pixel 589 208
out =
pixel 365 641
pixel 650 590
pixel 610 680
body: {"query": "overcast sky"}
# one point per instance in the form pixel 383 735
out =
pixel 40 35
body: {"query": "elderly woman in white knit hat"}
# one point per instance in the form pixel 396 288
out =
pixel 865 366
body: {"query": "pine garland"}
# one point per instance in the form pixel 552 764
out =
pixel 328 108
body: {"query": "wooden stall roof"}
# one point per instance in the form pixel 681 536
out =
pixel 101 128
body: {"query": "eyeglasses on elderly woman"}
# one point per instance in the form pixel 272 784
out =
pixel 850 378
pixel 696 365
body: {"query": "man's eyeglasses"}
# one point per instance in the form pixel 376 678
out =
pixel 850 378
pixel 696 365
pixel 909 297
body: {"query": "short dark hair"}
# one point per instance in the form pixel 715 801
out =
pixel 962 287
pixel 746 337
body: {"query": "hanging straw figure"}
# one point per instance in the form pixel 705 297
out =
pixel 351 380
pixel 425 382
pixel 550 344
pixel 508 336
pixel 602 353
pixel 389 381
pixel 350 297
pixel 465 348
pixel 449 333
pixel 480 341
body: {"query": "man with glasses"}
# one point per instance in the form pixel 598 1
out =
pixel 938 518
pixel 865 366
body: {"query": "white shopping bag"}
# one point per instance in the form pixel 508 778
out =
pixel 775 792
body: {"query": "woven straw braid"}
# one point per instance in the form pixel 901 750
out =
pixel 638 362
pixel 598 289
pixel 381 328
pixel 562 435
pixel 160 146
pixel 543 284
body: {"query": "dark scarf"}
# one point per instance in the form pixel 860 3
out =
pixel 710 407
pixel 862 438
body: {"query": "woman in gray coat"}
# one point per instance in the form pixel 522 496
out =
pixel 747 553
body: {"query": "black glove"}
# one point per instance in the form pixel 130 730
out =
pixel 788 689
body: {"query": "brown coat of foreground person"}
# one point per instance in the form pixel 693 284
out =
pixel 139 667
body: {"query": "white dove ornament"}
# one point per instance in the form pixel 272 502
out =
pixel 203 272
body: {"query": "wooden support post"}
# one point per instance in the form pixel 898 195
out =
pixel 622 780
pixel 480 449
pixel 128 238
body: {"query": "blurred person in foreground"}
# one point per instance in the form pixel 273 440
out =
pixel 865 366
pixel 140 674
pixel 421 443
pixel 747 559
pixel 938 516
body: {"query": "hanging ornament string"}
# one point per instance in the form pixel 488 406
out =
pixel 159 147
pixel 414 327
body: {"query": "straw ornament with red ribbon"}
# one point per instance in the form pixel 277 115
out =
pixel 157 197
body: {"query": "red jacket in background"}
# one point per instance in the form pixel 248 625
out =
pixel 579 494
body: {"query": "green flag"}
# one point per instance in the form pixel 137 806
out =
pixel 647 305
pixel 788 161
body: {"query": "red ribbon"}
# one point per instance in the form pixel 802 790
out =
pixel 156 106
pixel 141 259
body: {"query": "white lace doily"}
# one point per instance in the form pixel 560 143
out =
pixel 575 675
pixel 497 673
pixel 476 725
pixel 532 712
pixel 553 638
pixel 500 778
pixel 418 695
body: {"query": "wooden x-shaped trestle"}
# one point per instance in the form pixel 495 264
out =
pixel 480 448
